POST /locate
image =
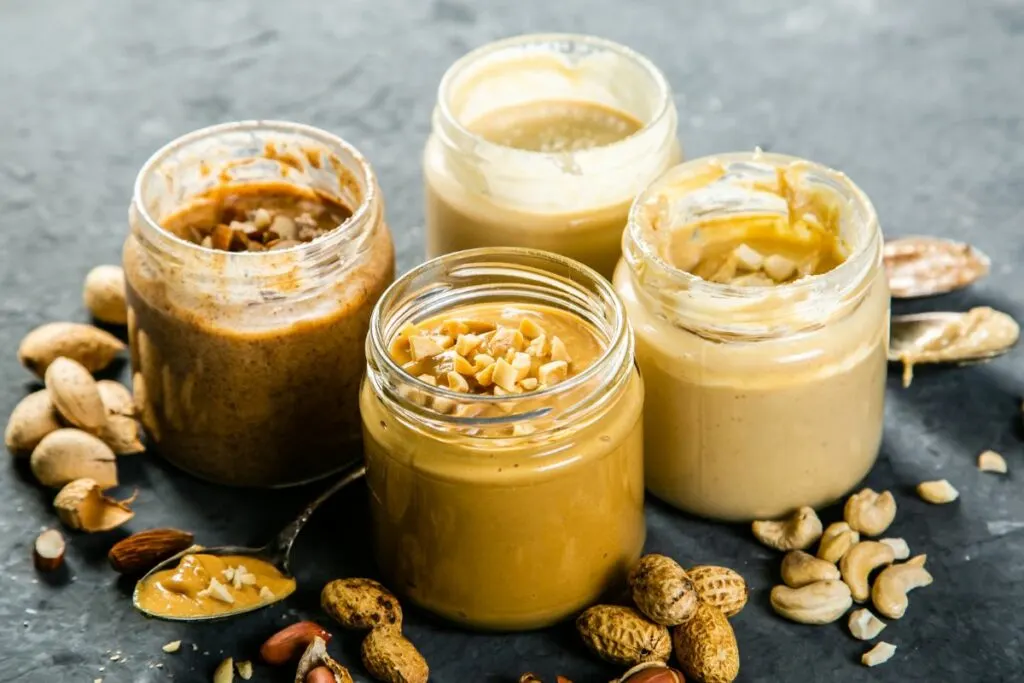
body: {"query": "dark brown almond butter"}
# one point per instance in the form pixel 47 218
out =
pixel 142 551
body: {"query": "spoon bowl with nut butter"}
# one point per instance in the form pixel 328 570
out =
pixel 200 584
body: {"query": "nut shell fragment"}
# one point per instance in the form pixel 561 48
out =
pixel 82 505
pixel 925 266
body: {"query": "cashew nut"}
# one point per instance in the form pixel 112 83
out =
pixel 818 603
pixel 937 492
pixel 990 461
pixel 879 654
pixel 900 549
pixel 800 569
pixel 837 539
pixel 864 625
pixel 870 512
pixel 796 533
pixel 858 564
pixel 891 587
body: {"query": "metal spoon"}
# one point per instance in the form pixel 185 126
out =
pixel 276 553
pixel 942 337
pixel 926 266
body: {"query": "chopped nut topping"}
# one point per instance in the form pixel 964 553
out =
pixel 266 593
pixel 530 328
pixel 218 591
pixel 553 372
pixel 505 376
pixel 747 258
pixel 779 268
pixel 424 347
pixel 990 461
pixel 172 647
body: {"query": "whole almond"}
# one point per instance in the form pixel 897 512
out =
pixel 391 657
pixel 721 587
pixel 706 646
pixel 361 604
pixel 292 641
pixel 142 551
pixel 92 347
pixel 68 454
pixel 104 294
pixel 33 418
pixel 74 394
pixel 622 635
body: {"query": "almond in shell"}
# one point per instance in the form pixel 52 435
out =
pixel 92 347
pixel 104 294
pixel 33 418
pixel 74 394
pixel 68 454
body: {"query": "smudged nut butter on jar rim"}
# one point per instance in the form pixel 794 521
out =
pixel 755 288
pixel 256 253
pixel 500 402
pixel 542 141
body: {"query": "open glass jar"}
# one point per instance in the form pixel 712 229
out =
pixel 525 508
pixel 760 399
pixel 247 364
pixel 542 141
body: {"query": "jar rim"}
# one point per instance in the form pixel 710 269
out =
pixel 664 91
pixel 338 234
pixel 618 341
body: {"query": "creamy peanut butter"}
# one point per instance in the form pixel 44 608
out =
pixel 765 372
pixel 514 524
pixel 555 126
pixel 203 585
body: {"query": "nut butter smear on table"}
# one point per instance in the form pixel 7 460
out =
pixel 455 507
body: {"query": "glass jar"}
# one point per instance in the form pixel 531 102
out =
pixel 247 365
pixel 491 530
pixel 759 399
pixel 574 203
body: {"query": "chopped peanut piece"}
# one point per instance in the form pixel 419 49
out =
pixel 481 361
pixel 990 461
pixel 454 328
pixel 530 329
pixel 485 377
pixel 424 347
pixel 529 384
pixel 463 366
pixel 558 350
pixel 522 430
pixel 443 340
pixel 747 258
pixel 468 409
pixel 467 344
pixel 779 268
pixel 505 376
pixel 457 382
pixel 538 346
pixel 429 379
pixel 725 272
pixel 553 372
pixel 443 405
pixel 879 654
pixel 522 364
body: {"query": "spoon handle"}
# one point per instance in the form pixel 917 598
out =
pixel 283 543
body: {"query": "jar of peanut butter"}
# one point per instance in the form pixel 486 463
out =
pixel 503 437
pixel 755 288
pixel 256 253
pixel 543 141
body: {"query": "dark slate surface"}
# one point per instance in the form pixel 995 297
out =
pixel 919 101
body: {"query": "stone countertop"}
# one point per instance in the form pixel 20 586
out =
pixel 919 101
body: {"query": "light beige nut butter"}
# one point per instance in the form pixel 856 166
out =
pixel 256 254
pixel 760 307
pixel 542 141
pixel 203 585
pixel 503 438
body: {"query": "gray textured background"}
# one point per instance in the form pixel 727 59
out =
pixel 920 101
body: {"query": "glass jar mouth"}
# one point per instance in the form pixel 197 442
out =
pixel 457 133
pixel 399 305
pixel 364 177
pixel 648 265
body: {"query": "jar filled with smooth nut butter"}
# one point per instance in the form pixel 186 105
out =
pixel 503 437
pixel 543 141
pixel 256 253
pixel 755 287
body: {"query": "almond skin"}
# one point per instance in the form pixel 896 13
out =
pixel 90 346
pixel 144 550
pixel 291 641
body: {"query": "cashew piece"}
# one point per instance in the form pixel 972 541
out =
pixel 891 587
pixel 990 461
pixel 818 603
pixel 800 569
pixel 869 512
pixel 864 625
pixel 797 532
pixel 937 492
pixel 858 564
pixel 900 549
pixel 836 541
pixel 879 654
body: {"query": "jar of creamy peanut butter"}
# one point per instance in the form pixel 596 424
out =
pixel 543 141
pixel 755 288
pixel 503 437
pixel 256 253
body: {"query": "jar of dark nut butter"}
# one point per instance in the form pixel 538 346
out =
pixel 542 141
pixel 503 438
pixel 256 253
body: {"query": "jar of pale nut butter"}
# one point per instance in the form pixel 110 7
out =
pixel 256 253
pixel 755 287
pixel 503 437
pixel 543 141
